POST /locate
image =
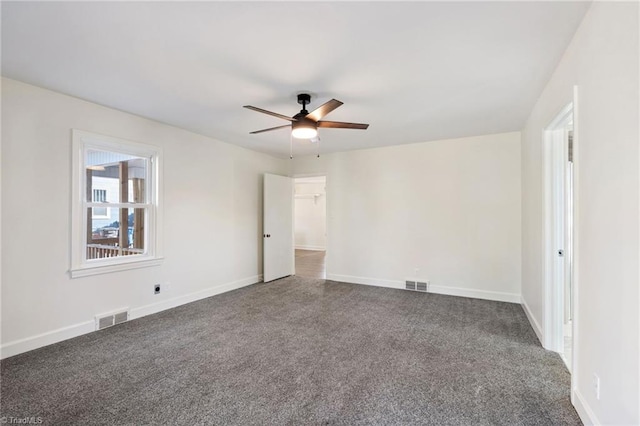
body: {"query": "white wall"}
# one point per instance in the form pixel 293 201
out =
pixel 212 218
pixel 449 208
pixel 602 60
pixel 310 214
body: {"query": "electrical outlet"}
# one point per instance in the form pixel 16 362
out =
pixel 156 289
pixel 596 385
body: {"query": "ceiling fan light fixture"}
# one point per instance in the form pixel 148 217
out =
pixel 302 130
pixel 304 125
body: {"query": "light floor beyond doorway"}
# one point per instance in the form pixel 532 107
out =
pixel 310 263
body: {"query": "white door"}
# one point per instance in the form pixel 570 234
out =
pixel 278 260
pixel 559 153
pixel 557 249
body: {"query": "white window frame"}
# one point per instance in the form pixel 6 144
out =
pixel 80 266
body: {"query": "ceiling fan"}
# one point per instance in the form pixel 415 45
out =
pixel 304 125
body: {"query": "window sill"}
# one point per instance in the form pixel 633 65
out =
pixel 88 270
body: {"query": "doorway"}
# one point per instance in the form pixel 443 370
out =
pixel 310 226
pixel 559 234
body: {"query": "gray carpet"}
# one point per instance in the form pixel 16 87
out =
pixel 300 351
pixel 310 264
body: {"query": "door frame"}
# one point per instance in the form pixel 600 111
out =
pixel 553 297
pixel 326 219
pixel 554 166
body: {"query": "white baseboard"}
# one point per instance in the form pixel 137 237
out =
pixel 532 320
pixel 438 289
pixel 314 248
pixel 154 308
pixel 34 342
pixel 45 339
pixel 497 296
pixel 366 281
pixel 585 412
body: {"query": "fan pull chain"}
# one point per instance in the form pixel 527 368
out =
pixel 318 144
pixel 290 146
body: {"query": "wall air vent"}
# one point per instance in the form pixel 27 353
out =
pixel 416 285
pixel 120 317
pixel 110 319
pixel 104 322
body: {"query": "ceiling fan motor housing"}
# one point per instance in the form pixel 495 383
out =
pixel 304 98
pixel 304 127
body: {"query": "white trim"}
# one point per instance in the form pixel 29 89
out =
pixel 437 289
pixel 44 339
pixel 314 248
pixel 318 175
pixel 585 412
pixel 126 264
pixel 575 322
pixel 312 180
pixel 554 158
pixel 153 308
pixel 563 118
pixel 498 296
pixel 376 282
pixel 532 320
pixel 81 141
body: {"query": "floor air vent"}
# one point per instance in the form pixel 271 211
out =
pixel 120 317
pixel 104 322
pixel 107 320
pixel 422 286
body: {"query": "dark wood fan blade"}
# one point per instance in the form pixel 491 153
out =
pixel 341 125
pixel 264 111
pixel 324 109
pixel 270 129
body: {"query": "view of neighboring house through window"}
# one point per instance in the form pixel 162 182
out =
pixel 100 196
pixel 118 211
pixel 118 230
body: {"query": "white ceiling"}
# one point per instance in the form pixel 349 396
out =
pixel 416 71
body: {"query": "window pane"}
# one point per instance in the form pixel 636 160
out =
pixel 137 229
pixel 100 213
pixel 108 238
pixel 106 173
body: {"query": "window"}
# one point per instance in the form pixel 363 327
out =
pixel 116 211
pixel 99 196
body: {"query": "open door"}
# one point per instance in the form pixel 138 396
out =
pixel 277 235
pixel 558 235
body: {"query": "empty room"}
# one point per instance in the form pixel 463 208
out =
pixel 250 213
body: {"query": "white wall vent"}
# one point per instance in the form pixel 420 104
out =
pixel 104 322
pixel 120 317
pixel 113 318
pixel 416 285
